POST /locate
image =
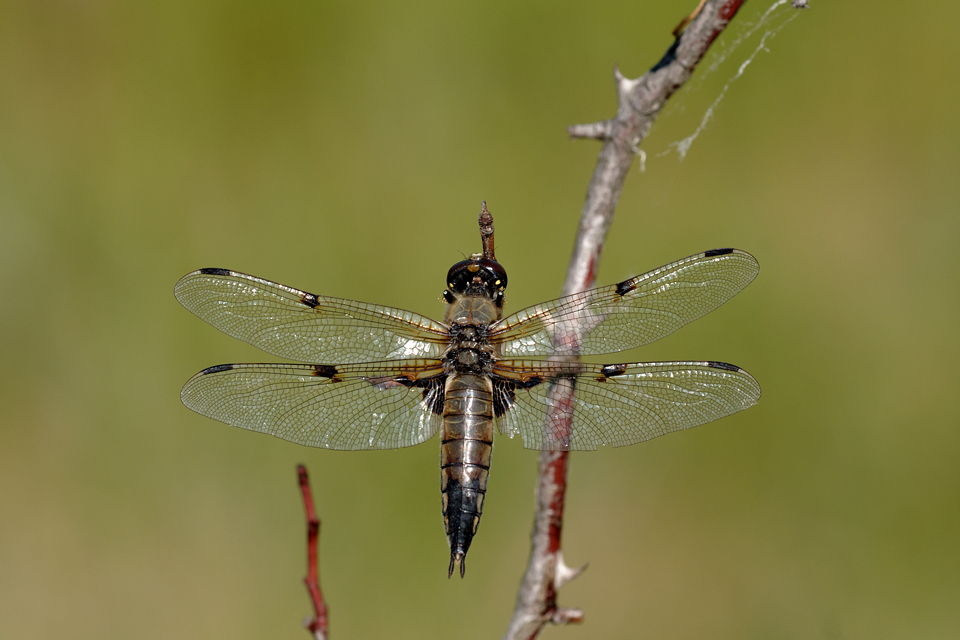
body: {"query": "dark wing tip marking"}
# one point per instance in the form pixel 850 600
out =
pixel 310 300
pixel 717 252
pixel 724 366
pixel 212 271
pixel 324 371
pixel 218 369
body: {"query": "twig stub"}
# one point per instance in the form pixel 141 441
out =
pixel 486 232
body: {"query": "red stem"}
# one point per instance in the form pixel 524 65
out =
pixel 640 101
pixel 318 624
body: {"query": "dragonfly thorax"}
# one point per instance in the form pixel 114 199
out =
pixel 470 350
pixel 471 311
pixel 468 360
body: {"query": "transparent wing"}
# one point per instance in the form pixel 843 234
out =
pixel 302 326
pixel 616 404
pixel 628 314
pixel 382 405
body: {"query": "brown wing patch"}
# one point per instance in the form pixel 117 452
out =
pixel 430 379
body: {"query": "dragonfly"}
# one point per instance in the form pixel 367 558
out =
pixel 374 377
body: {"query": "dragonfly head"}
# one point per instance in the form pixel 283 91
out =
pixel 477 276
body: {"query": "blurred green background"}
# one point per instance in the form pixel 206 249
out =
pixel 344 148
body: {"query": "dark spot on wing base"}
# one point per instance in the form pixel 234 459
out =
pixel 724 366
pixel 309 300
pixel 217 369
pixel 504 392
pixel 432 388
pixel 433 395
pixel 215 272
pixel 717 252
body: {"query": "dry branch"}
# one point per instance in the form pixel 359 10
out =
pixel 639 103
pixel 318 624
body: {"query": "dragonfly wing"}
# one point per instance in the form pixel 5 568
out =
pixel 383 405
pixel 617 404
pixel 302 326
pixel 629 314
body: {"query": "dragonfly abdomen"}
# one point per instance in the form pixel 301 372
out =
pixel 465 459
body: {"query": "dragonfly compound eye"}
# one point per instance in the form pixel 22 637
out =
pixel 479 274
